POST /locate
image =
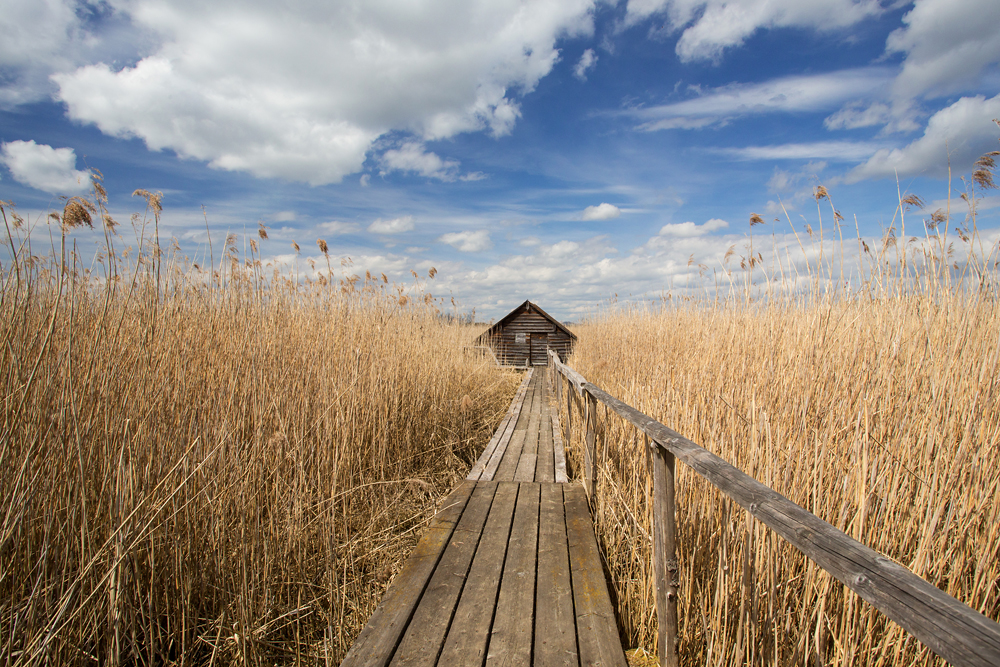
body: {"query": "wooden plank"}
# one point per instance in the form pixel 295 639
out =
pixel 545 468
pixel 425 635
pixel 555 620
pixel 595 618
pixel 510 641
pixel 491 467
pixel 512 456
pixel 525 471
pixel 379 638
pixel 558 449
pixel 470 631
pixel 502 434
pixel 505 472
pixel 953 630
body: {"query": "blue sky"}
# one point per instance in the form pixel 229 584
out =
pixel 559 150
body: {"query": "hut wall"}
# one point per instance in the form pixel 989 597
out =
pixel 530 334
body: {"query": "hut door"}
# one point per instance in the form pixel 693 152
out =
pixel 539 344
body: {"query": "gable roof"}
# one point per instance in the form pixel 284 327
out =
pixel 526 307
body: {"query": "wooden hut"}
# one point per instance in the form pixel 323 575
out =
pixel 524 334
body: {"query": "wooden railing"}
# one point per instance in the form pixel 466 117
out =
pixel 950 628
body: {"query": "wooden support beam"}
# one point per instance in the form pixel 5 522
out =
pixel 665 567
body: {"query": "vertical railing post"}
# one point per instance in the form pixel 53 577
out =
pixel 589 451
pixel 569 414
pixel 665 567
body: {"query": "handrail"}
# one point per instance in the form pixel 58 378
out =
pixel 953 630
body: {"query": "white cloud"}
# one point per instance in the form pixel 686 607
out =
pixel 365 180
pixel 393 226
pixel 603 211
pixel 962 131
pixel 45 168
pixel 337 228
pixel 473 176
pixel 896 117
pixel 690 229
pixel 41 37
pixel 947 43
pixel 411 157
pixel 284 216
pixel 818 150
pixel 785 95
pixel 301 92
pixel 587 60
pixel 711 26
pixel 476 241
pixel 530 241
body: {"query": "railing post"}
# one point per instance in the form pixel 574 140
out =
pixel 589 450
pixel 569 415
pixel 665 567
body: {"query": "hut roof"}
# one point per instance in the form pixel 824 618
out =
pixel 526 307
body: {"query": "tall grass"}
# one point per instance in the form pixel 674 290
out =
pixel 873 402
pixel 214 465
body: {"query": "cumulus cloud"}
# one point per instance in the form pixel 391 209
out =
pixel 393 226
pixel 603 211
pixel 411 157
pixel 689 229
pixel 947 43
pixel 787 94
pixel 471 241
pixel 44 168
pixel 302 92
pixel 962 132
pixel 708 27
pixel 587 60
pixel 41 37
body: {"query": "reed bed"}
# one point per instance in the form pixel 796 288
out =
pixel 876 407
pixel 215 465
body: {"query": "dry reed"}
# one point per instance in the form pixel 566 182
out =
pixel 215 465
pixel 877 408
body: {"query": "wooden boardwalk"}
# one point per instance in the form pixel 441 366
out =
pixel 508 572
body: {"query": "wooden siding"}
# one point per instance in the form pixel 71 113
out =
pixel 529 334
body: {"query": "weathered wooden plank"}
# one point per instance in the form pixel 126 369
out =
pixel 512 456
pixel 525 471
pixel 599 643
pixel 379 638
pixel 555 620
pixel 545 468
pixel 505 472
pixel 515 435
pixel 502 435
pixel 510 640
pixel 558 448
pixel 425 635
pixel 469 634
pixel 950 628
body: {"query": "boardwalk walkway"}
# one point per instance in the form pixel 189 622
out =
pixel 508 572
